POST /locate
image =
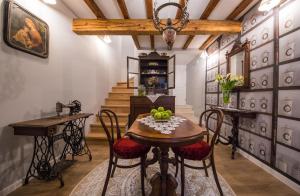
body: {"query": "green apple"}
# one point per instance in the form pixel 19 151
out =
pixel 153 111
pixel 161 109
pixel 169 112
pixel 157 115
pixel 165 116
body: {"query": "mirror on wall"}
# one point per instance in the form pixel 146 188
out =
pixel 238 61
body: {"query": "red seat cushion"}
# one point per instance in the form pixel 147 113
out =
pixel 195 151
pixel 129 149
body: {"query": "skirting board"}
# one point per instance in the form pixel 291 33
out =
pixel 271 171
pixel 268 169
pixel 15 185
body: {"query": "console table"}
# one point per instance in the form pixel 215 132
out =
pixel 45 132
pixel 235 115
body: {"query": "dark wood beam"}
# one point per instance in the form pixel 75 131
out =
pixel 238 10
pixel 136 42
pixel 178 13
pixel 152 42
pixel 145 27
pixel 95 9
pixel 208 42
pixel 208 10
pixel 149 8
pixel 149 11
pixel 124 10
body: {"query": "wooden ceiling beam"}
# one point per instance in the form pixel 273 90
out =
pixel 237 11
pixel 124 10
pixel 149 11
pixel 208 10
pixel 178 13
pixel 208 42
pixel 145 27
pixel 95 9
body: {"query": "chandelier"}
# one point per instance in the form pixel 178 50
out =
pixel 170 28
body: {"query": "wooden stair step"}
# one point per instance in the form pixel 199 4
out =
pixel 117 108
pixel 117 101
pixel 122 90
pixel 122 118
pixel 98 136
pixel 97 127
pixel 115 95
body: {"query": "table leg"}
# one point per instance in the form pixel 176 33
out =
pixel 75 139
pixel 41 166
pixel 163 184
pixel 235 135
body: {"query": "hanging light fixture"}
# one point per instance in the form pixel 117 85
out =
pixel 267 5
pixel 169 29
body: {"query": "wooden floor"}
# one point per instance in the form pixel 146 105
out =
pixel 245 178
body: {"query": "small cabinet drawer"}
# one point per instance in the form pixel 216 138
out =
pixel 257 101
pixel 288 132
pixel 289 47
pixel 289 74
pixel 253 18
pixel 260 35
pixel 288 161
pixel 262 56
pixel 261 79
pixel 288 103
pixel 289 17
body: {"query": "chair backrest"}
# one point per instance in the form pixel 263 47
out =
pixel 110 124
pixel 208 115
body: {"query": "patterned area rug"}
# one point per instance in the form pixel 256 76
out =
pixel 126 182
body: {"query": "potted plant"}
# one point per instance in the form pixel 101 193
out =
pixel 228 83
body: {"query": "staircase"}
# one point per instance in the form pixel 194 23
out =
pixel 187 112
pixel 117 101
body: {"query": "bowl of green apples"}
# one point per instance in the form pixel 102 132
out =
pixel 161 115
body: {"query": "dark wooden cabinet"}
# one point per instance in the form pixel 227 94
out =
pixel 153 66
pixel 142 105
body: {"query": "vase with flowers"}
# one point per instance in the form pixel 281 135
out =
pixel 152 82
pixel 227 83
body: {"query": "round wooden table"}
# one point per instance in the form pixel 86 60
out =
pixel 187 133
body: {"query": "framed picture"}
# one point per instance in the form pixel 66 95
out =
pixel 25 31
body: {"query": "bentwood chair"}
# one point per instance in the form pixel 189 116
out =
pixel 200 151
pixel 121 148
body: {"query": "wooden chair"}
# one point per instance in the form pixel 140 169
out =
pixel 121 148
pixel 200 151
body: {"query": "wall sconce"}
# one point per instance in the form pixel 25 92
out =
pixel 204 55
pixel 51 2
pixel 107 39
pixel 267 5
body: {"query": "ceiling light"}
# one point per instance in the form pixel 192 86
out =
pixel 170 28
pixel 204 55
pixel 106 39
pixel 51 2
pixel 267 5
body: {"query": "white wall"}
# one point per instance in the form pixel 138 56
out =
pixel 195 84
pixel 78 67
pixel 180 85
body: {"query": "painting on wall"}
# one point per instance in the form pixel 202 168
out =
pixel 24 31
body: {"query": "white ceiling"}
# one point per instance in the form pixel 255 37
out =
pixel 137 9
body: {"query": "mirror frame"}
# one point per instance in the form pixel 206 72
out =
pixel 237 48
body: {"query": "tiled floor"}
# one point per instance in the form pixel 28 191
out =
pixel 245 178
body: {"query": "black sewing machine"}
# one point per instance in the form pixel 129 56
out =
pixel 74 106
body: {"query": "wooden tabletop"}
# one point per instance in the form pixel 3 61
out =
pixel 50 121
pixel 187 133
